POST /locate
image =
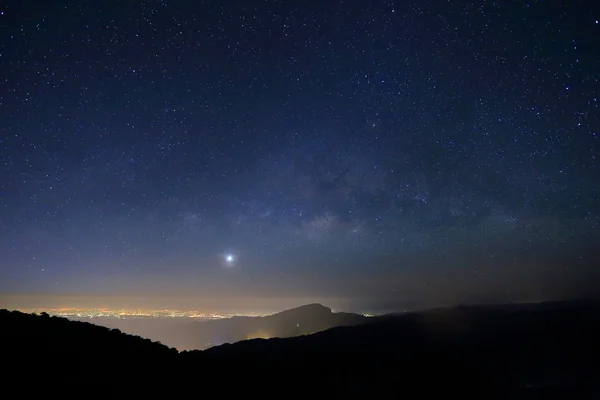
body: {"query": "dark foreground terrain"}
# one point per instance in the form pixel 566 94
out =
pixel 547 351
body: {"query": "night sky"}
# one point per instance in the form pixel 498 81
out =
pixel 374 153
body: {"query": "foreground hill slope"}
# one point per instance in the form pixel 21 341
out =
pixel 546 351
pixel 41 336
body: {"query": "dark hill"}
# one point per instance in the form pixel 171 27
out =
pixel 43 333
pixel 304 320
pixel 52 350
pixel 550 351
pixel 543 350
pixel 464 326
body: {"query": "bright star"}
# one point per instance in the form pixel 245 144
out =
pixel 229 258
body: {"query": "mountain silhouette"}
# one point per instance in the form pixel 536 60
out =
pixel 303 320
pixel 534 351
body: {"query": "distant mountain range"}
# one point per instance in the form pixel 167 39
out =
pixel 190 334
pixel 545 351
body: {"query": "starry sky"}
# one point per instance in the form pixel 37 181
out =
pixel 374 153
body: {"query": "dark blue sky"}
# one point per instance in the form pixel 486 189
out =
pixel 409 151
